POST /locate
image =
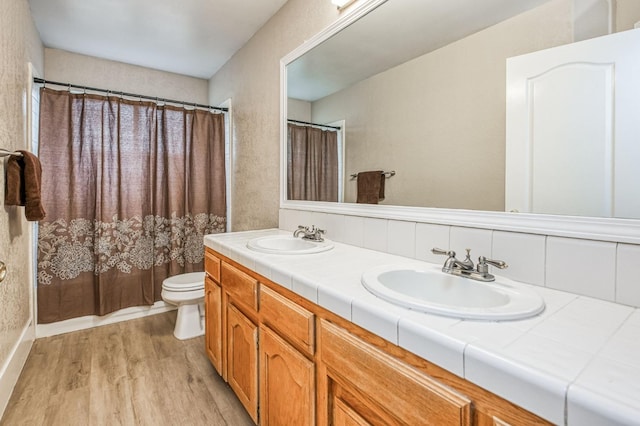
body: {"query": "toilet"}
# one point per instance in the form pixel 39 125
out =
pixel 186 291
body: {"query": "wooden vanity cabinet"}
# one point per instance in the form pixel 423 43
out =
pixel 213 322
pixel 231 328
pixel 291 362
pixel 287 383
pixel 213 311
pixel 287 370
pixel 361 384
pixel 242 359
pixel 241 303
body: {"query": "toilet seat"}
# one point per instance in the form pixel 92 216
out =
pixel 184 282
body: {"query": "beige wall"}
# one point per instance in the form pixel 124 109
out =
pixel 439 120
pixel 67 67
pixel 19 44
pixel 298 110
pixel 252 79
pixel 627 14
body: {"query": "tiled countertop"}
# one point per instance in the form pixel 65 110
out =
pixel 577 363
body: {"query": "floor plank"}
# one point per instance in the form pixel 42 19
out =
pixel 130 373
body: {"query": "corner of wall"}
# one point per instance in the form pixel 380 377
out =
pixel 10 371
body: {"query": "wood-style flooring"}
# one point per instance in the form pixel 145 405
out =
pixel 129 373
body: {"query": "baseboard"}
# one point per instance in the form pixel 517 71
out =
pixel 10 371
pixel 90 321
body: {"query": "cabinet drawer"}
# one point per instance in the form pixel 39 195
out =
pixel 292 322
pixel 411 396
pixel 242 287
pixel 212 265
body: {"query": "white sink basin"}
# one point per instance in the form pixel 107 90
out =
pixel 431 290
pixel 287 244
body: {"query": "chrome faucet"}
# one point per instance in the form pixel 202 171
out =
pixel 465 268
pixel 313 234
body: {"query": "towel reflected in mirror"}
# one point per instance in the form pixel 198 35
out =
pixel 370 187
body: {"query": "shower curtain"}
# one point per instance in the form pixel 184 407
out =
pixel 130 189
pixel 312 164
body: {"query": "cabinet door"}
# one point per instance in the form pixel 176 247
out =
pixel 242 359
pixel 287 383
pixel 362 384
pixel 213 323
pixel 343 415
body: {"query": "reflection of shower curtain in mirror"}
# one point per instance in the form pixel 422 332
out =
pixel 312 164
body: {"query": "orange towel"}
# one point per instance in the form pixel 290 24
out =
pixel 370 187
pixel 23 184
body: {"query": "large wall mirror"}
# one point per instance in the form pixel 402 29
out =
pixel 419 88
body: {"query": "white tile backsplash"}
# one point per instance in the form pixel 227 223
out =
pixel 353 230
pixel 333 224
pixel 604 270
pixel 375 234
pixel 581 266
pixel 524 253
pixel 627 278
pixel 290 220
pixel 429 236
pixel 478 240
pixel 402 238
pixel 285 220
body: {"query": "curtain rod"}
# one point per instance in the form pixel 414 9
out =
pixel 132 95
pixel 313 124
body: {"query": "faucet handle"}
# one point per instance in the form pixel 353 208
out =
pixel 483 262
pixel 468 258
pixel 440 251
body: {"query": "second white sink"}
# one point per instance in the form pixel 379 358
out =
pixel 431 290
pixel 286 244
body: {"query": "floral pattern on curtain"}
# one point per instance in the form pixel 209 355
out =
pixel 131 188
pixel 67 249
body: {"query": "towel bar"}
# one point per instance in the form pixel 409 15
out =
pixel 386 174
pixel 5 153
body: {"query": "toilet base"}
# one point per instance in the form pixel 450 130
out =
pixel 189 321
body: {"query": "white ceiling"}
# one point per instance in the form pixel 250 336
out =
pixel 191 37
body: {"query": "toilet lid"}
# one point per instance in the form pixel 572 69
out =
pixel 184 282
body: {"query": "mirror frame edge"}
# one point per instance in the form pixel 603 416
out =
pixel 593 228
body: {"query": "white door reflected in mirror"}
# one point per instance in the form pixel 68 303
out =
pixel 572 125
